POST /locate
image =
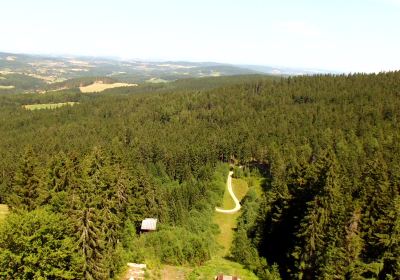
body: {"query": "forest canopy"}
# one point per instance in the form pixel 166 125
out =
pixel 328 147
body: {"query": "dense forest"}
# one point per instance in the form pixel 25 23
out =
pixel 80 179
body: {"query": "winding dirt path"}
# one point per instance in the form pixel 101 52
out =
pixel 237 204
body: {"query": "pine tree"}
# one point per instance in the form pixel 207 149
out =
pixel 27 184
pixel 60 177
pixel 99 207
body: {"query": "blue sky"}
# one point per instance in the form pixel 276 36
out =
pixel 350 36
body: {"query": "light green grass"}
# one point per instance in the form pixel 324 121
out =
pixel 256 184
pixel 156 81
pixel 6 87
pixel 227 225
pixel 48 105
pixel 3 212
pixel 240 188
pixel 168 272
pixel 227 222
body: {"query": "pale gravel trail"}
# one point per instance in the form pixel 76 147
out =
pixel 237 204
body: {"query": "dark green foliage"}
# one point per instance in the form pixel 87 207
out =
pixel 26 183
pixel 179 246
pixel 38 245
pixel 243 249
pixel 329 147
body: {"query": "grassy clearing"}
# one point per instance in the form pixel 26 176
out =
pixel 99 87
pixel 48 105
pixel 168 272
pixel 205 272
pixel 227 222
pixel 3 212
pixel 220 265
pixel 240 188
pixel 7 87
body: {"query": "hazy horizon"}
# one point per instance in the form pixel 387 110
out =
pixel 344 36
pixel 119 58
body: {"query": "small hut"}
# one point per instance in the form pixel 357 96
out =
pixel 148 225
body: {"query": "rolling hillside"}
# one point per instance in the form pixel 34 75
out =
pixel 37 73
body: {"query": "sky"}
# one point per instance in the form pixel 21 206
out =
pixel 338 35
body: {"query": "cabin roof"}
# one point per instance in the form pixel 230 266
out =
pixel 149 224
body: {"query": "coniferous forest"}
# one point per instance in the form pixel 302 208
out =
pixel 80 179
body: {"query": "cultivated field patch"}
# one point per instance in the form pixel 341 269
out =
pixel 48 105
pixel 99 87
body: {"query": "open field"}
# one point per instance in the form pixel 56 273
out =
pixel 156 81
pixel 6 87
pixel 99 87
pixel 227 222
pixel 48 105
pixel 3 212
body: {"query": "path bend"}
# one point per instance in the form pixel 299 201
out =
pixel 230 190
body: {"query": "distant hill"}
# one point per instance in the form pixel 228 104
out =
pixel 285 71
pixel 55 69
pixel 27 73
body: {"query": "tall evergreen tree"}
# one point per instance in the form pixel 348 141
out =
pixel 27 184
